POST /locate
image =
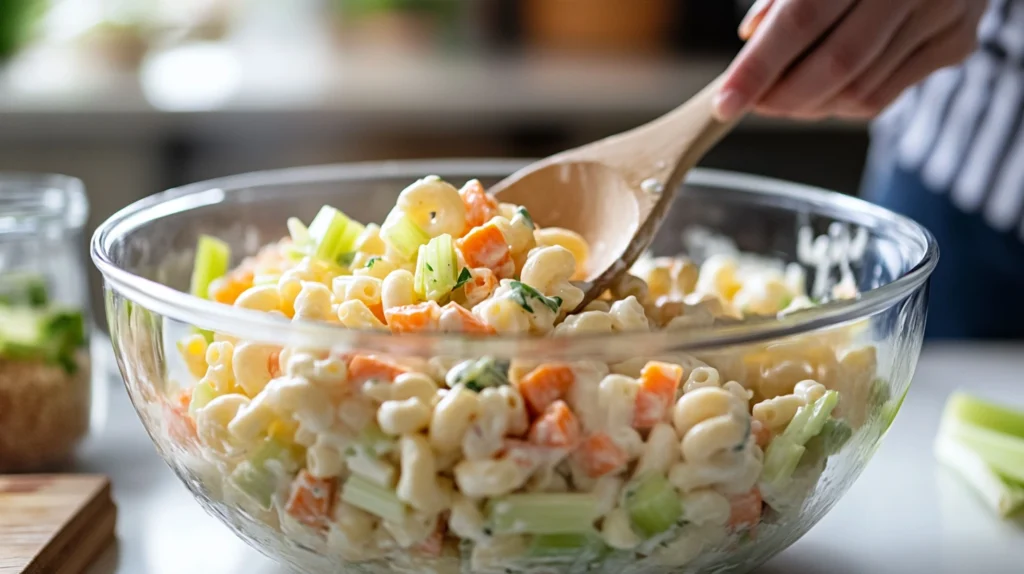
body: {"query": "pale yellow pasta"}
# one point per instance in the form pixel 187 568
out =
pixel 518 420
pixel 435 206
pixel 570 240
pixel 417 484
pixel 329 372
pixel 193 351
pixel 251 366
pixel 375 470
pixel 598 305
pixel 489 477
pixel 356 315
pixel 377 267
pixel 487 433
pixel 659 280
pixel 412 529
pixel 403 416
pixel 398 290
pixel 357 288
pixel 350 534
pixel 606 490
pixel 219 373
pixel 617 530
pixel 706 507
pixel 264 298
pixel 324 461
pixel 685 274
pixel 700 405
pixel 718 277
pixel 504 315
pixel 212 424
pixel 701 377
pixel 628 315
pixel 616 397
pixel 630 286
pixel 452 417
pixel 660 451
pixel 313 302
pixel 369 241
pixel 780 379
pixel 518 233
pixel 809 390
pixel 467 521
pixel 414 386
pixel 251 420
pixel 587 323
pixel 712 436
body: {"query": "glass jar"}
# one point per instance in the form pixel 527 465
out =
pixel 45 368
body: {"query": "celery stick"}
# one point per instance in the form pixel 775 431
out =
pixel 372 442
pixel 404 236
pixel 1003 452
pixel 542 513
pixel 1000 494
pixel 202 394
pixel 257 483
pixel 333 234
pixel 796 426
pixel 211 262
pixel 374 499
pixel 299 233
pixel 557 548
pixel 836 434
pixel 272 451
pixel 781 459
pixel 435 269
pixel 821 409
pixel 979 412
pixel 653 505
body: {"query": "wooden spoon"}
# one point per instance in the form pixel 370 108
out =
pixel 615 192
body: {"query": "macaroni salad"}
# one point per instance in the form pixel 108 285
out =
pixel 507 466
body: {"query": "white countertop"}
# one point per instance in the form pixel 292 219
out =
pixel 904 514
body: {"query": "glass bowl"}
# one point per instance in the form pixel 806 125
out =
pixel 866 347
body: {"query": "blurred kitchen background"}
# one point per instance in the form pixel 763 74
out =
pixel 136 96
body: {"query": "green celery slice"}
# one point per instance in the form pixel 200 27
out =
pixel 653 505
pixel 1002 495
pixel 543 513
pixel 212 259
pixel 373 442
pixel 404 236
pixel 333 234
pixel 836 434
pixel 780 460
pixel 257 483
pixel 821 409
pixel 479 374
pixel 435 269
pixel 982 413
pixel 373 498
pixel 202 394
pixel 299 233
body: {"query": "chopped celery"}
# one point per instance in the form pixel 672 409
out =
pixel 558 548
pixel 274 451
pixel 480 374
pixel 202 394
pixel 891 409
pixel 780 460
pixel 1003 452
pixel 835 433
pixel 374 499
pixel 372 442
pixel 404 236
pixel 821 409
pixel 299 233
pixel 542 513
pixel 257 483
pixel 1004 496
pixel 653 505
pixel 333 234
pixel 212 259
pixel 435 269
pixel 975 411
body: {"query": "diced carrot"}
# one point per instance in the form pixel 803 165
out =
pixel 457 319
pixel 413 318
pixel 227 289
pixel 658 385
pixel 481 287
pixel 557 427
pixel 762 434
pixel 363 368
pixel 529 456
pixel 745 510
pixel 545 385
pixel 311 500
pixel 180 424
pixel 599 455
pixel 378 312
pixel 480 206
pixel 274 363
pixel 434 543
pixel 486 246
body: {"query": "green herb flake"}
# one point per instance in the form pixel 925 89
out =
pixel 526 215
pixel 369 264
pixel 429 267
pixel 521 292
pixel 464 277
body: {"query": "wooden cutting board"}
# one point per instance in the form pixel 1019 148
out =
pixel 53 524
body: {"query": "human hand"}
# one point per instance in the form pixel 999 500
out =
pixel 811 59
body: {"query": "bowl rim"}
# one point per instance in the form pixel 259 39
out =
pixel 266 328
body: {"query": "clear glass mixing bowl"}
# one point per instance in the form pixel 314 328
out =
pixel 145 253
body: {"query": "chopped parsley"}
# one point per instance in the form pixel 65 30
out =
pixel 369 264
pixel 523 293
pixel 480 374
pixel 429 268
pixel 526 215
pixel 464 277
pixel 346 259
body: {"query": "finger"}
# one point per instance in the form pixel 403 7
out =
pixel 854 44
pixel 922 25
pixel 945 49
pixel 752 21
pixel 787 30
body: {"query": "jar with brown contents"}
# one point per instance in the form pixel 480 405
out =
pixel 45 370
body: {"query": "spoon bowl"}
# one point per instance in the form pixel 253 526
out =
pixel 615 192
